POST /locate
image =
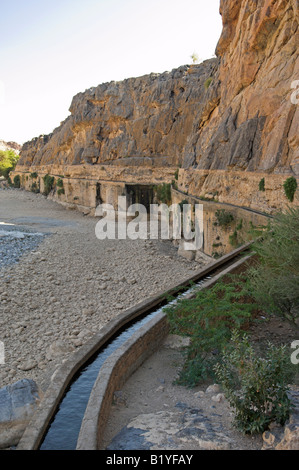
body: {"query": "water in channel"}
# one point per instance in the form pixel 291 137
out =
pixel 64 429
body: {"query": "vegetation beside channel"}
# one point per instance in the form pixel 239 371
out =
pixel 218 321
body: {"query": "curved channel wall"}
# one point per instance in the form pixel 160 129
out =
pixel 61 379
pixel 123 363
pixel 113 375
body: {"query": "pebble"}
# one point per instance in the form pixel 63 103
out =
pixel 218 398
pixel 213 389
pixel 12 249
pixel 27 365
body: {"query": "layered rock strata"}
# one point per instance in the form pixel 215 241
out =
pixel 227 123
pixel 10 146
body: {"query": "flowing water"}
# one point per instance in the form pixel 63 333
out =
pixel 64 429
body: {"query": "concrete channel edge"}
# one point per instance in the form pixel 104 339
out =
pixel 37 427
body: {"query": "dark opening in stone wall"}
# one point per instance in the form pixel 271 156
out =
pixel 140 194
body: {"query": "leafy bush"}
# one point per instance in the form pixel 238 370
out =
pixel 48 184
pixel 209 319
pixel 182 203
pixel 223 217
pixel 35 188
pixel 236 238
pixel 33 175
pixel 256 387
pixel 163 193
pixel 233 239
pixel 240 225
pixel 262 185
pixel 8 161
pixel 274 279
pixel 290 186
pixel 59 183
pixel 174 184
pixel 60 191
pixel 208 82
pixel 17 181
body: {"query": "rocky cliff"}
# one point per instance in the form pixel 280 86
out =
pixel 149 117
pixel 254 125
pixel 226 123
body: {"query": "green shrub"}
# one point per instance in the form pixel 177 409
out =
pixel 223 217
pixel 59 183
pixel 17 181
pixel 290 186
pixel 8 161
pixel 208 82
pixel 33 175
pixel 262 185
pixel 240 225
pixel 216 245
pixel 236 238
pixel 48 184
pixel 60 191
pixel 174 184
pixel 256 387
pixel 233 239
pixel 217 255
pixel 35 188
pixel 183 203
pixel 163 193
pixel 274 279
pixel 5 172
pixel 208 319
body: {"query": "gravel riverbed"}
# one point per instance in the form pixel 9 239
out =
pixel 59 284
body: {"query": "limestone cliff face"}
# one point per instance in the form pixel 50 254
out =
pixel 255 125
pixel 149 117
pixel 222 121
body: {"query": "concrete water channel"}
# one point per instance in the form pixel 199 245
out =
pixel 75 408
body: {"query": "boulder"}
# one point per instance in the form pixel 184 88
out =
pixel 59 348
pixel 285 437
pixel 187 254
pixel 18 402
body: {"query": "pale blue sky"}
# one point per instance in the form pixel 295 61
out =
pixel 51 50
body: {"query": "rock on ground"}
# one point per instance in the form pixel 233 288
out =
pixel 17 404
pixel 285 437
